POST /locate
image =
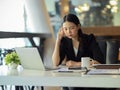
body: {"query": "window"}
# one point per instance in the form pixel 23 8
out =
pixel 11 19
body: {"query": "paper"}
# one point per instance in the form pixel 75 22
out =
pixel 104 72
pixel 66 69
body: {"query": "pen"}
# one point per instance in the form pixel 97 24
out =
pixel 66 71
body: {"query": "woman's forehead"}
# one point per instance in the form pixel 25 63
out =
pixel 65 24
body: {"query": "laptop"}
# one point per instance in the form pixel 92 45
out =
pixel 30 58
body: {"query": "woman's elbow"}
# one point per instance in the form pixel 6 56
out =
pixel 55 62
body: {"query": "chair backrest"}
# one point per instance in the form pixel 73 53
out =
pixel 103 47
pixel 110 50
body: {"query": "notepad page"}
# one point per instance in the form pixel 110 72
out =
pixel 104 72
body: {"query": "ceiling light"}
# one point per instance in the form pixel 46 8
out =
pixel 113 2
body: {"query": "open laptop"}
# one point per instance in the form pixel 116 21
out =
pixel 30 58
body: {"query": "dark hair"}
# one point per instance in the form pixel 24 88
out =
pixel 74 19
pixel 71 18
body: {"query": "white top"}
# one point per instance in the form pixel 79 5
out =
pixel 76 51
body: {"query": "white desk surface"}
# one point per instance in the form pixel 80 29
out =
pixel 50 78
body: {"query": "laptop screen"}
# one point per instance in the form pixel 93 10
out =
pixel 30 58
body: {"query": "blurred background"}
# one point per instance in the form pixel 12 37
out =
pixel 92 13
pixel 38 16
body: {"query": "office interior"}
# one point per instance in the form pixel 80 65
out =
pixel 100 17
pixel 20 17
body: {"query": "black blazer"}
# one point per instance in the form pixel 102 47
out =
pixel 88 47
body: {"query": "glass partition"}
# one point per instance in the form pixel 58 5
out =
pixel 92 13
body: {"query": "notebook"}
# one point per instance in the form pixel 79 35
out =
pixel 104 72
pixel 107 66
pixel 65 69
pixel 30 58
pixel 105 69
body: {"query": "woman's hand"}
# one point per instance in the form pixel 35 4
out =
pixel 94 62
pixel 60 34
pixel 71 63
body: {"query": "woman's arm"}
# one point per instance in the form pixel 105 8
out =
pixel 56 55
pixel 56 52
pixel 72 63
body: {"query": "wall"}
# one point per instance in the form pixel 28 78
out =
pixel 116 19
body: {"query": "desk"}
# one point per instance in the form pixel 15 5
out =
pixel 50 78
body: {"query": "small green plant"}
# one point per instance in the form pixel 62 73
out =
pixel 12 58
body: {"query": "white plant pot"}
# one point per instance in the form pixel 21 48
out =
pixel 12 66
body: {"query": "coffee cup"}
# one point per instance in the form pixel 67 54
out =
pixel 85 62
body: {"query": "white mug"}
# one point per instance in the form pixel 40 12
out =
pixel 85 62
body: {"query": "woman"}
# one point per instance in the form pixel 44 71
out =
pixel 72 44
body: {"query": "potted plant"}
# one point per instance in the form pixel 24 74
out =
pixel 12 60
